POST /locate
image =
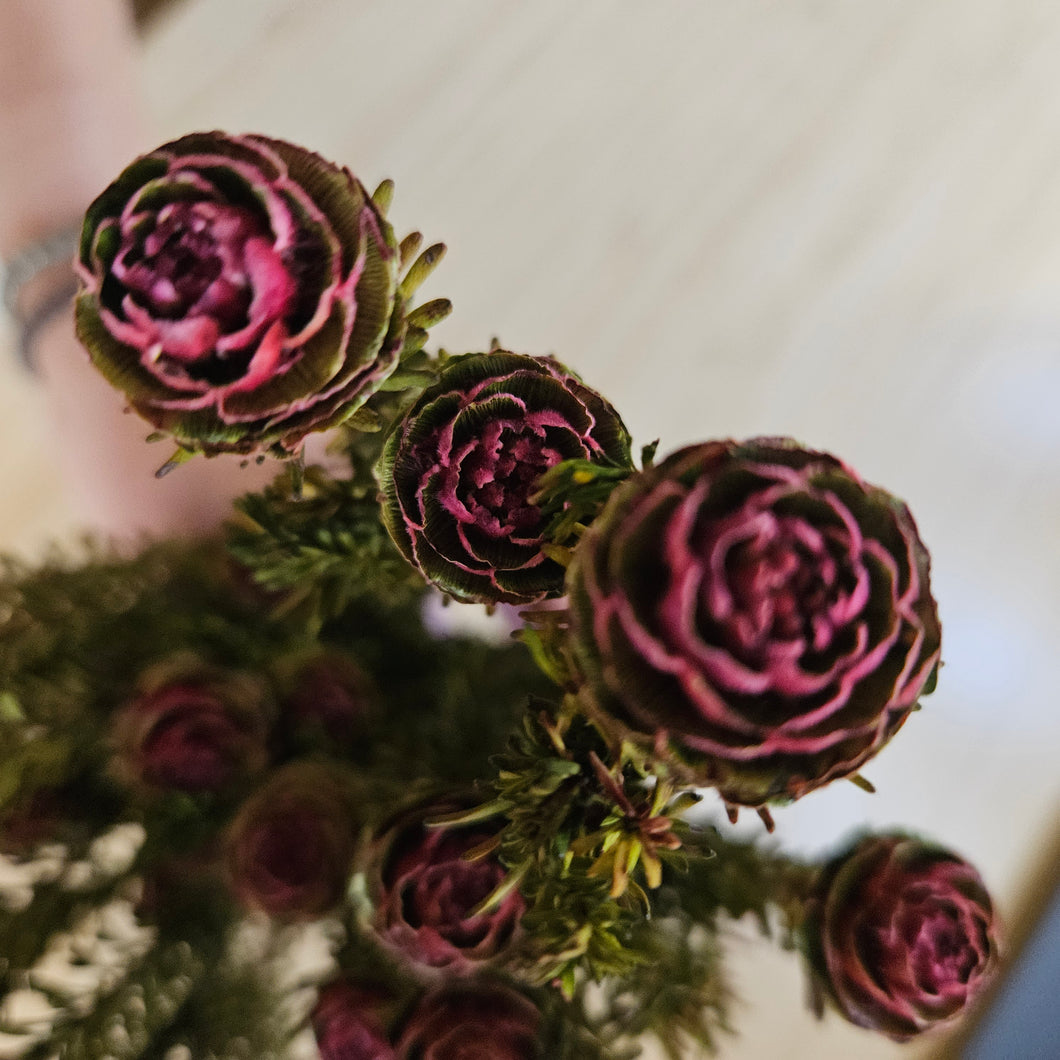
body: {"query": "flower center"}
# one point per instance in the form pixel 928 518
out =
pixel 192 259
pixel 776 586
pixel 445 895
pixel 498 477
pixel 942 956
pixel 194 752
pixel 292 849
pixel 772 579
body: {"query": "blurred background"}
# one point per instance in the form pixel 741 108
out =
pixel 830 220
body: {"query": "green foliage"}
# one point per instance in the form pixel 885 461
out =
pixel 660 975
pixel 449 705
pixel 583 841
pixel 574 1031
pixel 572 925
pixel 312 537
pixel 719 875
pixel 319 548
pixel 571 493
pixel 74 637
pixel 676 993
pixel 234 1012
pixel 32 763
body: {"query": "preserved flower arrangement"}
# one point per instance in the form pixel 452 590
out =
pixel 214 752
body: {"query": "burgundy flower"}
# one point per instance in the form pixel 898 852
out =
pixel 472 1020
pixel 192 728
pixel 901 934
pixel 330 697
pixel 756 614
pixel 240 291
pixel 349 1023
pixel 291 846
pixel 459 472
pixel 426 890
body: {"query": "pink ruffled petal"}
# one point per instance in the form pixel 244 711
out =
pixel 267 357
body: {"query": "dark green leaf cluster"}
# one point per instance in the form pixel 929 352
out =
pixel 572 840
pixel 574 926
pixel 571 494
pixel 313 538
pixel 677 993
pixel 722 876
pixel 448 706
pixel 318 548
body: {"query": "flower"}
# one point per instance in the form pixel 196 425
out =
pixel 756 615
pixel 900 934
pixel 291 846
pixel 426 886
pixel 192 728
pixel 241 292
pixel 330 697
pixel 459 472
pixel 348 1023
pixel 472 1020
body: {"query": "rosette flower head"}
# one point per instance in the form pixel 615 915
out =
pixel 192 728
pixel 330 702
pixel 900 935
pixel 426 884
pixel 459 473
pixel 756 614
pixel 291 846
pixel 472 1020
pixel 349 1023
pixel 240 291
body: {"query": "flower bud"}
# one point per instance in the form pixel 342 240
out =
pixel 193 728
pixel 331 700
pixel 460 471
pixel 472 1020
pixel 426 888
pixel 349 1024
pixel 240 291
pixel 901 935
pixel 290 848
pixel 756 615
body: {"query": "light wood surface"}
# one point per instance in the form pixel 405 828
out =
pixel 834 220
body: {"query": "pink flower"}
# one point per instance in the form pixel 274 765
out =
pixel 349 1024
pixel 330 697
pixel 240 291
pixel 901 935
pixel 426 890
pixel 472 1020
pixel 460 470
pixel 192 728
pixel 291 846
pixel 756 615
